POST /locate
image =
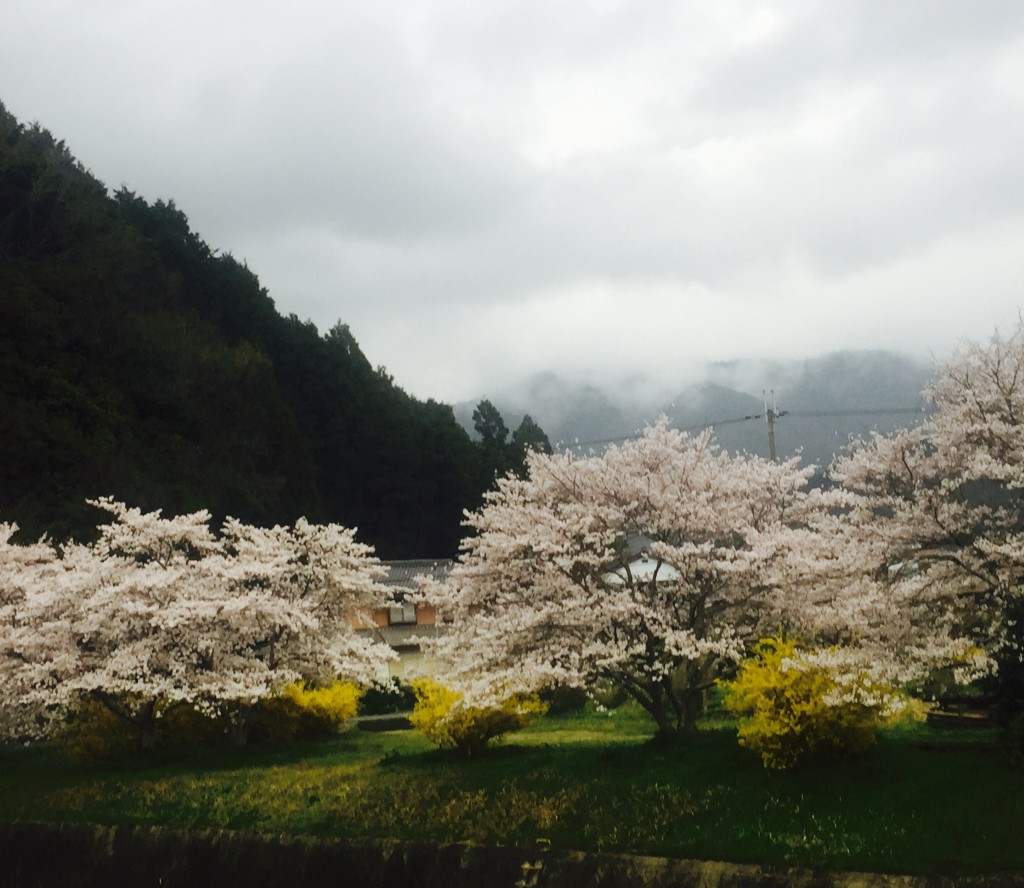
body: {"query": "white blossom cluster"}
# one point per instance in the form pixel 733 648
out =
pixel 937 512
pixel 162 610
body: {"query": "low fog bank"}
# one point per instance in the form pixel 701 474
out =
pixel 822 403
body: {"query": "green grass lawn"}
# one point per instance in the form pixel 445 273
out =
pixel 586 781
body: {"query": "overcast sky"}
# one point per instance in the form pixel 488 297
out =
pixel 487 189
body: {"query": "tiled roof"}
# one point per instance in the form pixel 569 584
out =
pixel 403 573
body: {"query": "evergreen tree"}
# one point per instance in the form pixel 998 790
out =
pixel 490 425
pixel 530 436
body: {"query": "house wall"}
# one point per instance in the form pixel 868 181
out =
pixel 371 620
pixel 426 615
pixel 412 663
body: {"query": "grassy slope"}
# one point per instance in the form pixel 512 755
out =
pixel 588 781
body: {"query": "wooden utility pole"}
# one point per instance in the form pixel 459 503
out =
pixel 769 415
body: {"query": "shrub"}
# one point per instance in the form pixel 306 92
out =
pixel 794 709
pixel 442 717
pixel 562 699
pixel 1006 685
pixel 92 733
pixel 303 712
pixel 386 698
pixel 183 727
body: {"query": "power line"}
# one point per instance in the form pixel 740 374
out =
pixel 699 427
pixel 867 411
pixel 776 414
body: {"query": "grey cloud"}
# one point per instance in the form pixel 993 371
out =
pixel 526 39
pixel 344 143
pixel 853 40
pixel 359 159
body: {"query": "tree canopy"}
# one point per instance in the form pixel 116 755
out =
pixel 163 611
pixel 937 512
pixel 652 566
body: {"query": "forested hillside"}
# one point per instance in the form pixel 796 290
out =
pixel 137 362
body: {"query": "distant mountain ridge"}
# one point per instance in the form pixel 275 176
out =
pixel 822 402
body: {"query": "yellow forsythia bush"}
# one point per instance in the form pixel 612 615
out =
pixel 793 711
pixel 301 712
pixel 92 733
pixel 442 718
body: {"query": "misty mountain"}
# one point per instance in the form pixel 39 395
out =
pixel 567 411
pixel 821 403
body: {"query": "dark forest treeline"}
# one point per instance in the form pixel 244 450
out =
pixel 137 362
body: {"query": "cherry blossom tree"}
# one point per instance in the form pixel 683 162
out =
pixel 551 588
pixel 938 511
pixel 35 649
pixel 160 611
pixel 297 597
